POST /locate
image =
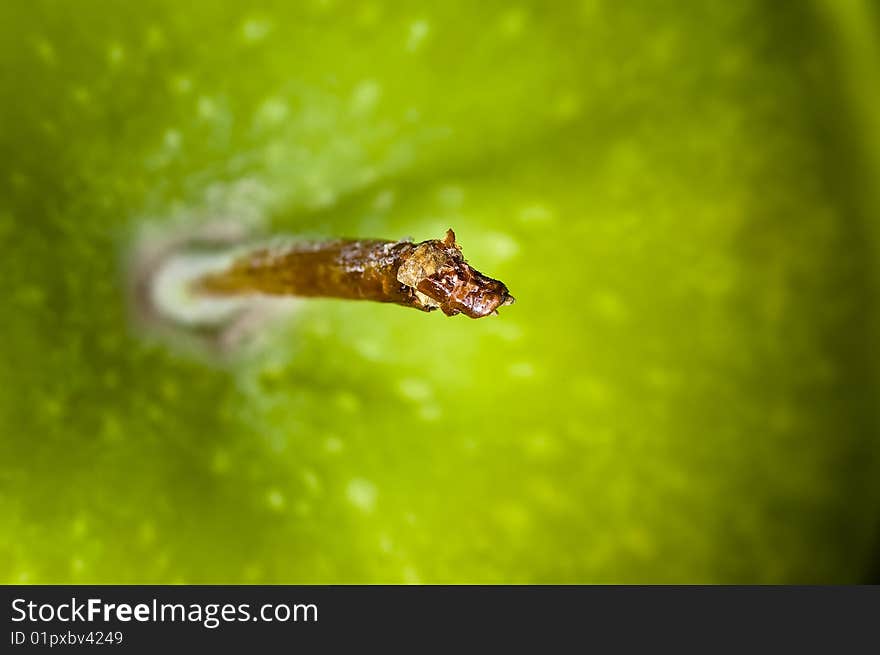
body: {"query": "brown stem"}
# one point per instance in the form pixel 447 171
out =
pixel 427 275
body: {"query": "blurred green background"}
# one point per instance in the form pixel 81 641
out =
pixel 683 197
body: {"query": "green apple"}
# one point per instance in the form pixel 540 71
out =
pixel 679 195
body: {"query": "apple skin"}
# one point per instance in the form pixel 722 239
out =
pixel 683 392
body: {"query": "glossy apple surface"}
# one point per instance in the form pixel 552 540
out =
pixel 679 196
